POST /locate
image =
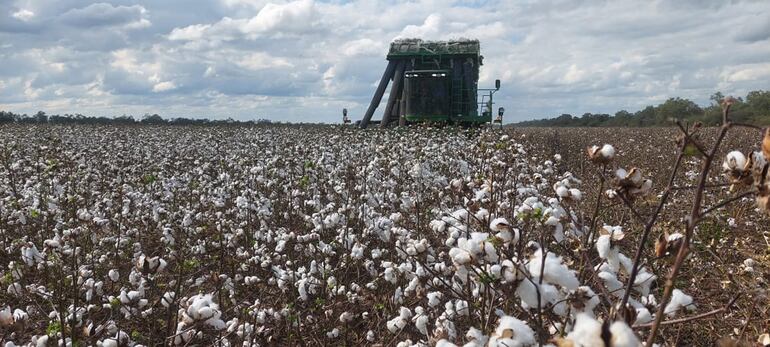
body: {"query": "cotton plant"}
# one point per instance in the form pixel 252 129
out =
pixel 249 236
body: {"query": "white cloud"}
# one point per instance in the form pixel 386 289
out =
pixel 260 61
pixel 23 15
pixel 163 86
pixel 305 58
pixel 747 72
pixel 296 16
pixel 189 33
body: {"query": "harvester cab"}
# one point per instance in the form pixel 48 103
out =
pixel 345 119
pixel 433 81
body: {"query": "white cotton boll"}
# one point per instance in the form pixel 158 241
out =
pixel 370 336
pixel 575 194
pixel 643 282
pixel 614 286
pixel 603 246
pixel 623 336
pixel 608 151
pixel 734 160
pixel 510 271
pixel 434 299
pixel 475 338
pixel 109 343
pixel 168 299
pixel 586 332
pixel 216 323
pixel 621 173
pixel 511 332
pixel 396 324
pixel 346 317
pixel 482 214
pixel 421 322
pixel 499 224
pixel 404 313
pixel 588 300
pixel 459 256
pixel 6 317
pixel 608 252
pixel 461 308
pixel 438 226
pixel 114 275
pixel 445 343
pixel 19 315
pixel 527 292
pixel 555 271
pixel 333 334
pixel 678 300
pixel 643 316
pixel 562 191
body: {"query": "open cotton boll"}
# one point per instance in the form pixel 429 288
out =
pixel 499 224
pixel 396 324
pixel 608 252
pixel 421 322
pixel 614 286
pixel 584 300
pixel 333 333
pixel 527 292
pixel 603 154
pixel 475 338
pixel 445 343
pixel 459 256
pixel 608 151
pixel 643 316
pixel 555 271
pixel 587 332
pixel 511 332
pixel 622 335
pixel 643 282
pixel 678 301
pixel 562 191
pixel 6 317
pixel 734 161
pixel 434 299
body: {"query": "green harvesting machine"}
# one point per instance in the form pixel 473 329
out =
pixel 433 81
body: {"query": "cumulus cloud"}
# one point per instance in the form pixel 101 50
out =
pixel 23 15
pixel 304 60
pixel 104 14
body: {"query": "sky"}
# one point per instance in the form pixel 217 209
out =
pixel 304 60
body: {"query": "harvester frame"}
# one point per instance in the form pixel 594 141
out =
pixel 433 81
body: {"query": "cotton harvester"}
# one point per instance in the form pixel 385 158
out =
pixel 433 81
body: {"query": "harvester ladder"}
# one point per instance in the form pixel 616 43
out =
pixel 457 96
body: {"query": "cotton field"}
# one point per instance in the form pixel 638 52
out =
pixel 289 235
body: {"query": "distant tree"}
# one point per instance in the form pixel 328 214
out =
pixel 759 102
pixel 153 119
pixel 716 98
pixel 677 108
pixel 41 117
pixel 755 109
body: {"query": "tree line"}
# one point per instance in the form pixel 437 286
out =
pixel 753 109
pixel 149 119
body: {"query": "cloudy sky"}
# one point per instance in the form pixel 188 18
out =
pixel 305 60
